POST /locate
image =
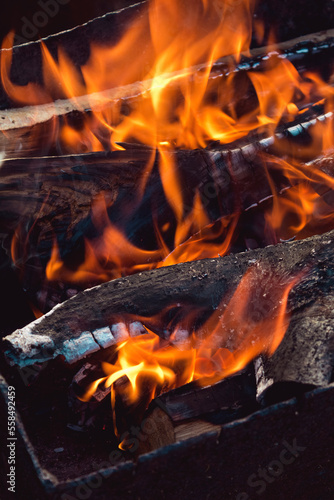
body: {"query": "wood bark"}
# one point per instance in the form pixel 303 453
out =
pixel 305 358
pixel 173 416
pixel 81 325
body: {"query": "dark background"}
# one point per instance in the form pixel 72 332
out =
pixel 15 13
pixel 289 18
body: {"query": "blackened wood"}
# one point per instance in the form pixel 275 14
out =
pixel 14 307
pixel 57 192
pixel 27 62
pixel 288 20
pixel 66 330
pixel 172 416
pixel 87 415
pixel 23 18
pixel 233 394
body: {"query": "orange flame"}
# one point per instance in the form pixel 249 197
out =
pixel 111 255
pixel 304 204
pixel 185 104
pixel 253 322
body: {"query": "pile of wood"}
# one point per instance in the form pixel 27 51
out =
pixel 52 195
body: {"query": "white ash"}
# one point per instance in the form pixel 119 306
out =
pixel 85 344
pixel 262 383
pixel 120 331
pixel 104 337
pixel 136 329
pixel 180 338
pixel 32 348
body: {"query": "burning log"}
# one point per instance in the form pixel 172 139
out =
pixel 173 416
pixel 57 192
pixel 27 127
pixel 305 51
pixel 83 324
pixel 27 64
pixel 52 197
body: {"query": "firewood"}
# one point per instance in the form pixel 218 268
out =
pixel 84 415
pixel 73 329
pixel 27 63
pixel 52 196
pixel 301 51
pixel 193 409
pixel 173 416
pixel 59 190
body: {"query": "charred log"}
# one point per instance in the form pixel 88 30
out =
pixel 190 410
pixel 173 416
pixel 51 197
pixel 83 324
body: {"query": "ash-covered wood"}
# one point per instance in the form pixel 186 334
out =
pixel 68 329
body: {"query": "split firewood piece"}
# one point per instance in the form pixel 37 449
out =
pixel 84 323
pixel 27 66
pixel 76 42
pixel 192 409
pixel 305 358
pixel 84 415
